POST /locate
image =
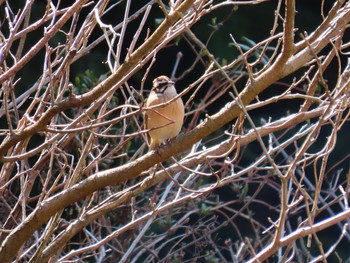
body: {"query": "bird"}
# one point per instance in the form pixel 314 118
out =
pixel 165 122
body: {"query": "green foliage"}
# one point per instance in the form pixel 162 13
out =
pixel 84 82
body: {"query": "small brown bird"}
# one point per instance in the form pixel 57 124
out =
pixel 164 122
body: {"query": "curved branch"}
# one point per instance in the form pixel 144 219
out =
pixel 162 175
pixel 133 169
pixel 36 48
pixel 116 79
pixel 302 232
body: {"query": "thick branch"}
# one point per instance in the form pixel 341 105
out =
pixel 162 175
pixel 130 170
pixel 288 34
pixel 117 78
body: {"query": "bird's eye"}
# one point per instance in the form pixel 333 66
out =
pixel 162 86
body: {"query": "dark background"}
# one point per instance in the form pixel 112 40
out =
pixel 247 24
